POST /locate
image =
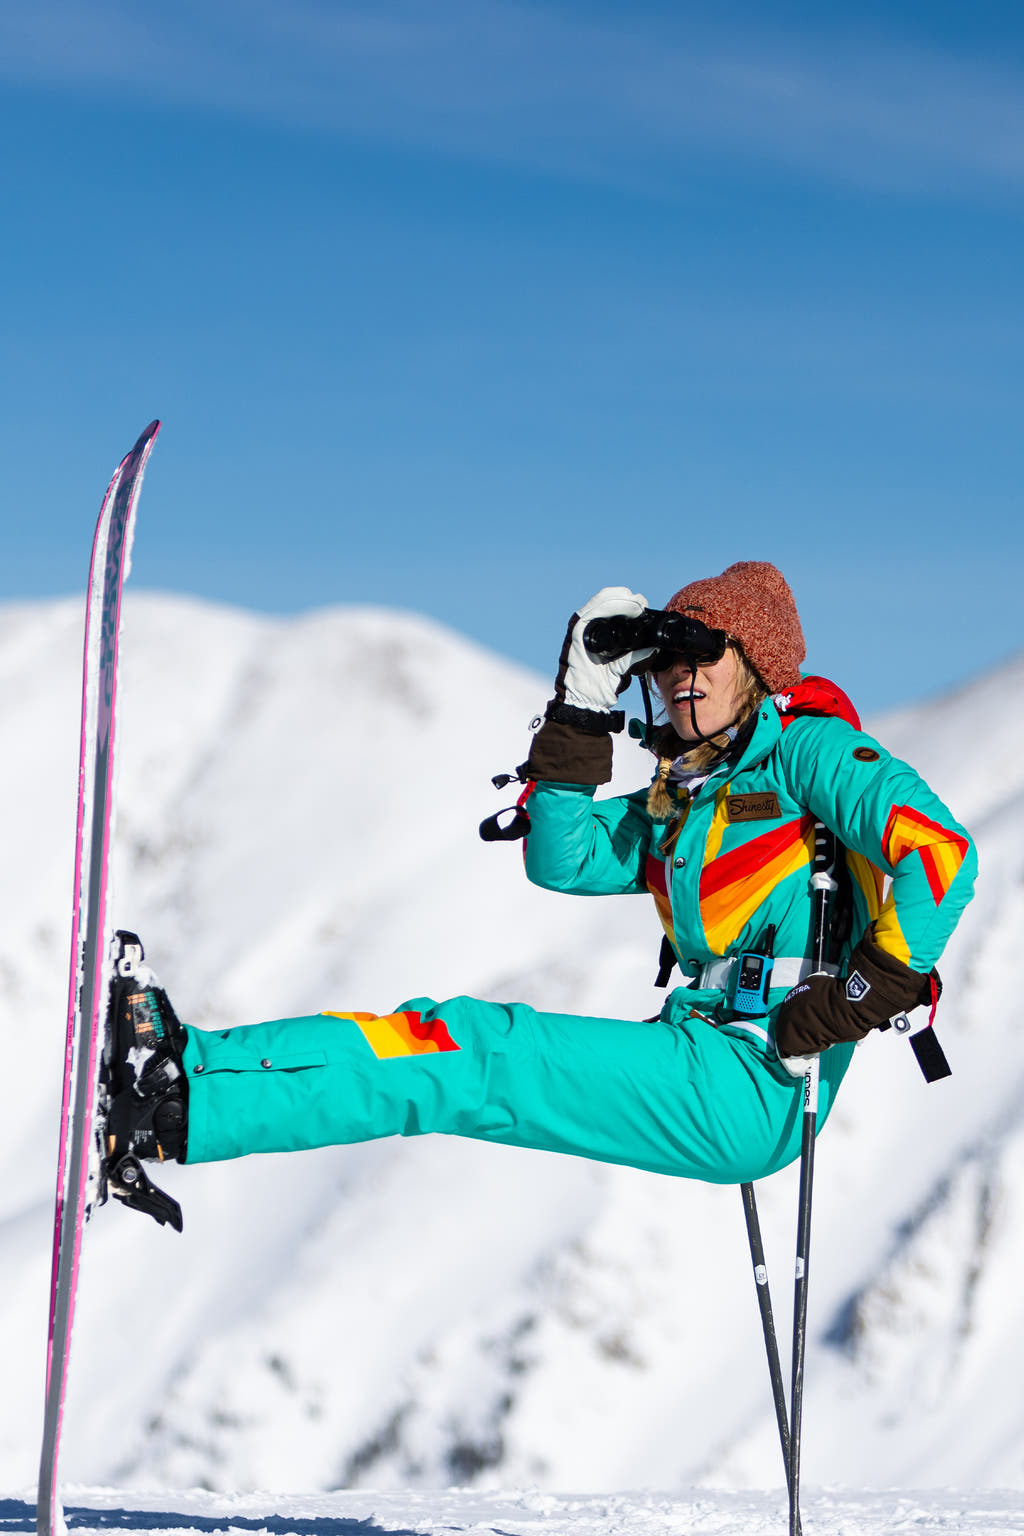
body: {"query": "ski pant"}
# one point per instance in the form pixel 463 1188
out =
pixel 675 1096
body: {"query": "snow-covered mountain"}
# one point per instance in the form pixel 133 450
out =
pixel 298 810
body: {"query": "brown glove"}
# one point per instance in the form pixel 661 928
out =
pixel 824 1010
pixel 569 754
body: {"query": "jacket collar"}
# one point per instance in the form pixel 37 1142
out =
pixel 762 740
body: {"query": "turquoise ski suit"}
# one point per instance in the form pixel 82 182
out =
pixel 684 1094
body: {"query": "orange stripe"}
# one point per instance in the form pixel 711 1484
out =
pixel 941 863
pixel 726 910
pixel 400 1034
pixel 750 857
pixel 941 850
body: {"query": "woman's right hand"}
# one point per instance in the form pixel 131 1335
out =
pixel 582 682
pixel 573 744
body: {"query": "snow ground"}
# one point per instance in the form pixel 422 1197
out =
pixel 703 1512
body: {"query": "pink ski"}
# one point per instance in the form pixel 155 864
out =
pixel 78 1169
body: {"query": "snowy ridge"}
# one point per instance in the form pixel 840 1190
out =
pixel 297 830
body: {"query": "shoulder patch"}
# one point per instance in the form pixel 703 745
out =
pixel 866 754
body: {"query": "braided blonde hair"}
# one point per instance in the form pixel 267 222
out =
pixel 700 754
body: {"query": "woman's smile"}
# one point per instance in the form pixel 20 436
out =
pixel 713 693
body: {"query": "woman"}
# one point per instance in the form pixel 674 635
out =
pixel 750 758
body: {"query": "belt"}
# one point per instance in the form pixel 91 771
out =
pixel 787 971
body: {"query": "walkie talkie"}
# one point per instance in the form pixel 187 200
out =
pixel 754 976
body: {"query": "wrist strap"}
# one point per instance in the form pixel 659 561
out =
pixel 594 722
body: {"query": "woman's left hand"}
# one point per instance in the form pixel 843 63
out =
pixel 827 1010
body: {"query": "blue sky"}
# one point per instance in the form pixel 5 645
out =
pixel 473 306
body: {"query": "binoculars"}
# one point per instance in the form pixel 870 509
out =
pixel 669 634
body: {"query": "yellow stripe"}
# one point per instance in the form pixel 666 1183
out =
pixel 719 822
pixel 724 915
pixel 948 860
pixel 869 878
pixel 389 1036
pixel 888 934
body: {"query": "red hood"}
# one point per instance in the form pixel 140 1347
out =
pixel 815 696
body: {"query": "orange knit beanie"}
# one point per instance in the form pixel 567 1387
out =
pixel 752 602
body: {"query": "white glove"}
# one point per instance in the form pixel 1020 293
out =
pixel 584 683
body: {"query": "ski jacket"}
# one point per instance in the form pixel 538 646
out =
pixel 737 857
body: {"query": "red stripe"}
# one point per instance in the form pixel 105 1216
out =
pixel 435 1030
pixel 912 818
pixel 937 883
pixel 654 876
pixel 743 861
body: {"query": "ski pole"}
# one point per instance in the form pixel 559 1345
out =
pixel 764 1302
pixel 803 1245
pixel 824 885
pixel 751 994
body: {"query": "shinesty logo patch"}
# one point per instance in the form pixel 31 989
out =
pixel 753 807
pixel 856 987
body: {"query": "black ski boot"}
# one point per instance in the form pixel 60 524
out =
pixel 146 1111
